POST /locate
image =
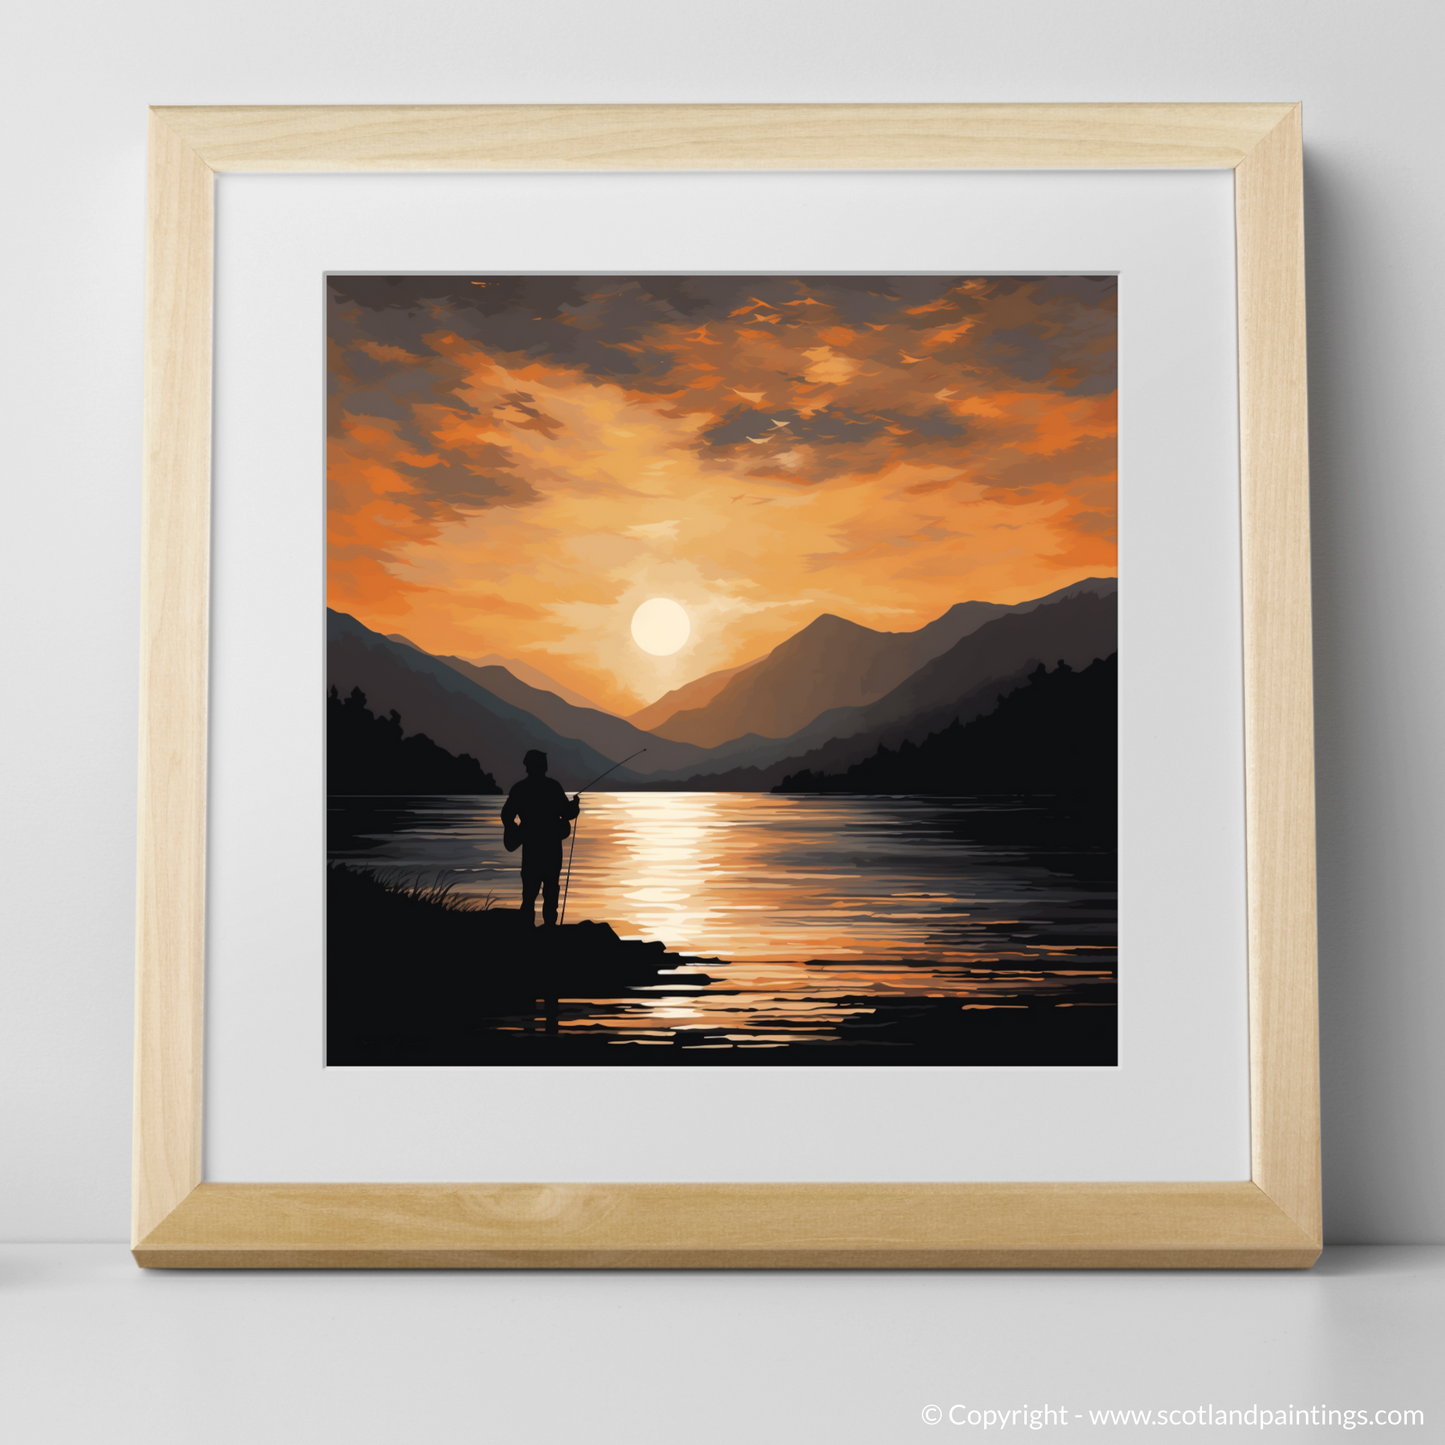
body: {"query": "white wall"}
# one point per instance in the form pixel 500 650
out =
pixel 78 78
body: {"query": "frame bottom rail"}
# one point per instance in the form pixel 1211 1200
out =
pixel 727 1226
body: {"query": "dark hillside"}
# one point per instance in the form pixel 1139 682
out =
pixel 1057 734
pixel 366 754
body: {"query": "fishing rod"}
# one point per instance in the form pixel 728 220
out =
pixel 572 847
pixel 612 769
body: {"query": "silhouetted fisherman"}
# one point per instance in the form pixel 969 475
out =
pixel 537 817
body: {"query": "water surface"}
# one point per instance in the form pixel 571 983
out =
pixel 814 912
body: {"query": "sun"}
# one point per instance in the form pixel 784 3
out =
pixel 660 626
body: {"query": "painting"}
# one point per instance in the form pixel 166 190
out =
pixel 721 670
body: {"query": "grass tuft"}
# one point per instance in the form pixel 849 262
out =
pixel 434 890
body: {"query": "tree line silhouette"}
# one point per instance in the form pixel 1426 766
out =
pixel 366 754
pixel 1056 734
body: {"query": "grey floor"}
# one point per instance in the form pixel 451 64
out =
pixel 94 1350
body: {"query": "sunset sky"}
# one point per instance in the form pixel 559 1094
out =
pixel 517 463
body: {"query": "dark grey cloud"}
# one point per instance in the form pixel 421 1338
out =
pixel 606 326
pixel 828 428
pixel 391 339
pixel 1020 471
pixel 463 486
pixel 1022 352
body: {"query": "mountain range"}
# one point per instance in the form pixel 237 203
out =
pixel 833 663
pixel 962 683
pixel 824 699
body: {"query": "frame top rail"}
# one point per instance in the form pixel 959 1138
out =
pixel 723 137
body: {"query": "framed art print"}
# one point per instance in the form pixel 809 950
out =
pixel 818 634
pixel 746 840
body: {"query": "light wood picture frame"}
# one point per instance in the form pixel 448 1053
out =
pixel 1272 1220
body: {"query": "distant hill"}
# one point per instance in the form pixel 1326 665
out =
pixel 1056 734
pixel 535 677
pixel 963 682
pixel 523 671
pixel 611 736
pixel 452 710
pixel 833 663
pixel 695 694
